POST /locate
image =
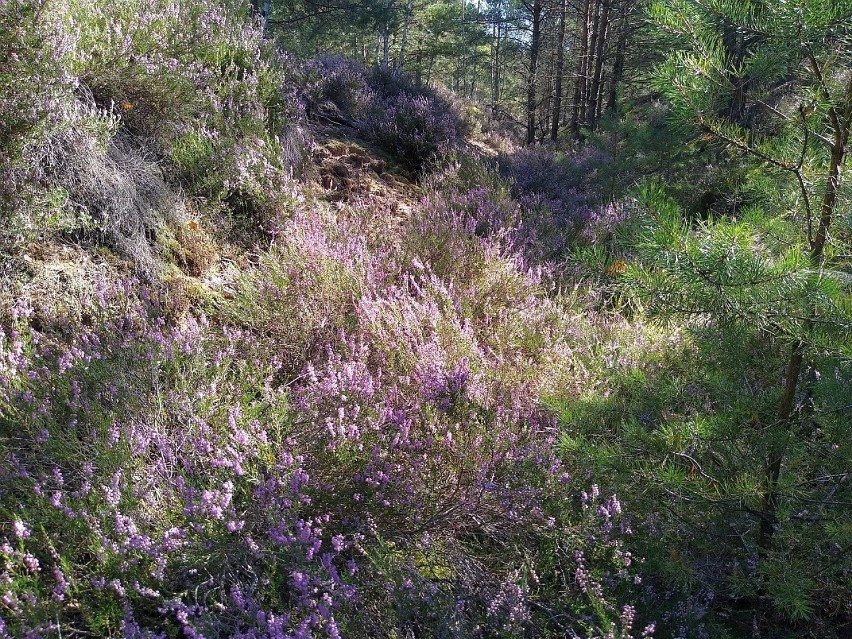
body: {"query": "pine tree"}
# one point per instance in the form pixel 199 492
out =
pixel 769 83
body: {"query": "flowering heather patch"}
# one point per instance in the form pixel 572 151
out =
pixel 561 188
pixel 335 88
pixel 129 505
pixel 170 66
pixel 487 213
pixel 356 425
pixel 413 123
pixel 35 85
pixel 159 478
pixel 414 128
pixel 192 81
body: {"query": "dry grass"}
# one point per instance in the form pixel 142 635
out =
pixel 117 191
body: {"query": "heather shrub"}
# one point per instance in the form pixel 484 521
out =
pixel 542 182
pixel 336 89
pixel 138 517
pixel 415 124
pixel 35 86
pixel 180 477
pixel 303 291
pixel 418 412
pixel 413 128
pixel 481 204
pixel 169 85
pixel 539 220
pixel 166 64
pixel 386 414
pixel 199 81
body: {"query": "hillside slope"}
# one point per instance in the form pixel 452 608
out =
pixel 303 349
pixel 236 403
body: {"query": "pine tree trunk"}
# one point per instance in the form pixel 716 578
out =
pixel 409 9
pixel 560 63
pixel 378 46
pixel 599 48
pixel 582 64
pixel 618 62
pixel 386 35
pixel 535 43
pixel 495 67
pixel 594 19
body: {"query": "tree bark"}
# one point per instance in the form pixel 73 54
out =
pixel 560 63
pixel 599 48
pixel 591 47
pixel 386 35
pixel 582 64
pixel 535 43
pixel 618 61
pixel 409 10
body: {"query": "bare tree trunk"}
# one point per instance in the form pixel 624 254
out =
pixel 582 65
pixel 560 70
pixel 495 89
pixel 594 18
pixel 535 43
pixel 463 56
pixel 601 28
pixel 618 62
pixel 409 10
pixel 545 104
pixel 599 101
pixel 265 18
pixel 735 49
pixel 386 35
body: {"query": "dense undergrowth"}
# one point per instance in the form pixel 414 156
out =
pixel 230 408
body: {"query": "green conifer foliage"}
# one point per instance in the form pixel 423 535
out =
pixel 769 83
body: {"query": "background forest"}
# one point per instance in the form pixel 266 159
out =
pixel 412 318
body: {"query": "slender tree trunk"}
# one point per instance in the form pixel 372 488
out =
pixel 463 56
pixel 842 124
pixel 495 60
pixel 599 48
pixel 599 102
pixel 265 18
pixel 594 19
pixel 409 10
pixel 617 66
pixel 735 49
pixel 544 108
pixel 560 63
pixel 535 43
pixel 386 35
pixel 497 68
pixel 582 64
pixel 773 467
